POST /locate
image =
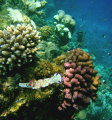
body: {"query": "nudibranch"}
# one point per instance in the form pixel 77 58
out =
pixel 41 83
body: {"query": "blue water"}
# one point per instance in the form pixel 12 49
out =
pixel 95 17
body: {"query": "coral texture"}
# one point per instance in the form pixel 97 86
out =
pixel 45 69
pixel 32 5
pixel 46 31
pixel 64 27
pixel 80 80
pixel 48 50
pixel 17 47
pixel 65 19
pixel 63 31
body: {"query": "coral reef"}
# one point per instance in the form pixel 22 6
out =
pixel 80 81
pixel 4 19
pixel 64 26
pixel 63 31
pixel 16 16
pixel 23 98
pixel 17 47
pixel 48 50
pixel 102 108
pixel 39 20
pixel 13 98
pixel 75 65
pixel 65 19
pixel 8 90
pixel 45 69
pixel 34 5
pixel 46 31
pixel 11 16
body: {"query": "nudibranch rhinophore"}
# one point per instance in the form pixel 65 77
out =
pixel 41 83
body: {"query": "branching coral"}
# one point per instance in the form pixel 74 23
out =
pixel 17 47
pixel 80 81
pixel 64 26
pixel 65 19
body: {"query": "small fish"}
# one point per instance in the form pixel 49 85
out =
pixel 81 26
pixel 41 83
pixel 103 36
pixel 93 56
pixel 80 43
pixel 109 54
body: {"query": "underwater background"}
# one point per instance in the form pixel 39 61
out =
pixel 55 59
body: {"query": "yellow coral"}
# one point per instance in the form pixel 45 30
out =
pixel 26 19
pixel 43 3
pixel 45 69
pixel 46 31
pixel 96 81
pixel 18 45
pixel 60 59
pixel 39 13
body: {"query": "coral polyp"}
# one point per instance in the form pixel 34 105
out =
pixel 17 47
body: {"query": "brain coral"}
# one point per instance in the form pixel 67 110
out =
pixel 17 47
pixel 46 31
pixel 80 81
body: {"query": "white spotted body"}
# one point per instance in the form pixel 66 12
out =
pixel 41 83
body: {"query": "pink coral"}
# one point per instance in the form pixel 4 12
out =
pixel 78 80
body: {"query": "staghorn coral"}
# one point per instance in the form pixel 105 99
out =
pixel 80 81
pixel 17 47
